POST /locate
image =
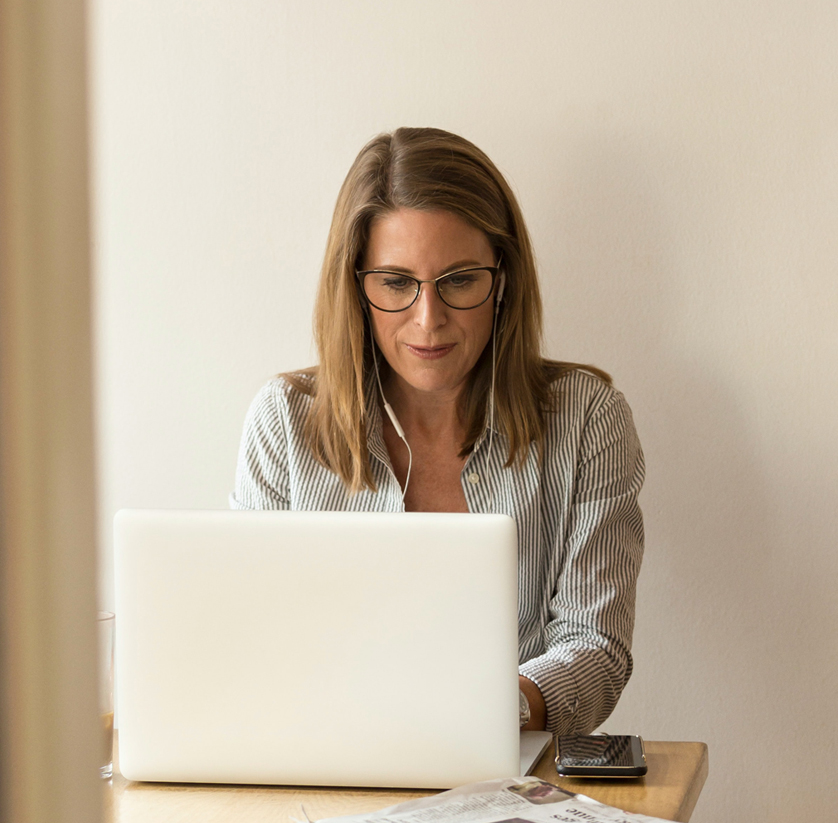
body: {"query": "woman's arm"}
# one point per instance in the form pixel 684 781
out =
pixel 538 709
pixel 586 660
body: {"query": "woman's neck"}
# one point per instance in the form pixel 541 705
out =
pixel 435 433
pixel 426 414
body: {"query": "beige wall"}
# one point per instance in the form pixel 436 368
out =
pixel 677 165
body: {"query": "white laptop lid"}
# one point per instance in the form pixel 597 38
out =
pixel 307 648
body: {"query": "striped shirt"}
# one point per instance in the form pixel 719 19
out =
pixel 580 530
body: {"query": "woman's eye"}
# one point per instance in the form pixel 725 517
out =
pixel 460 281
pixel 397 283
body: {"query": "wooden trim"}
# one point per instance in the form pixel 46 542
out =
pixel 49 751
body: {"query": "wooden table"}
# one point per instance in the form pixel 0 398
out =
pixel 677 772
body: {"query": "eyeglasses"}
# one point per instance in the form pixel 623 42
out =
pixel 392 291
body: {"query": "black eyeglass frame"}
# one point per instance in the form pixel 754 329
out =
pixel 493 270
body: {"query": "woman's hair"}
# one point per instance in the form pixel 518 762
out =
pixel 428 170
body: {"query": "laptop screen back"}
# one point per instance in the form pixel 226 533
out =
pixel 307 648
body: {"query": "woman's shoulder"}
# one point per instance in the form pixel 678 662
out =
pixel 287 394
pixel 588 410
pixel 292 384
pixel 577 378
pixel 580 390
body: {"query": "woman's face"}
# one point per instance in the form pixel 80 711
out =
pixel 430 347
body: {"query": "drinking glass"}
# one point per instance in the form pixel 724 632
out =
pixel 105 625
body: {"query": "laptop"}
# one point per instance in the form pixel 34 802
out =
pixel 317 648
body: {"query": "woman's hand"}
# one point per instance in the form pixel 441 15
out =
pixel 538 711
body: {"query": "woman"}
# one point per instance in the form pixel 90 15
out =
pixel 428 256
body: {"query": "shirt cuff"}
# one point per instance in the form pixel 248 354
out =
pixel 557 687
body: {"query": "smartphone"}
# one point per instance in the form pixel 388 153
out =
pixel 600 755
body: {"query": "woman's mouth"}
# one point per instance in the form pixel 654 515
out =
pixel 429 352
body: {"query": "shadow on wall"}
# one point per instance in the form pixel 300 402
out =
pixel 727 642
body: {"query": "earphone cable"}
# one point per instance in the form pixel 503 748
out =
pixel 392 415
pixel 492 407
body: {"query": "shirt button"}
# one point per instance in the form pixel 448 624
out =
pixel 474 478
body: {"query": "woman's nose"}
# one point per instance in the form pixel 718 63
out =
pixel 429 310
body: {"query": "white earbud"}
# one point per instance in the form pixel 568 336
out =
pixel 395 421
pixel 501 287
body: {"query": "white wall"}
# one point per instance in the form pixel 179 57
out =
pixel 678 165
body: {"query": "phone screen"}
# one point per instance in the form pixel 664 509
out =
pixel 596 750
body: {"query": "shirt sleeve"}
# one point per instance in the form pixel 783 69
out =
pixel 587 660
pixel 262 469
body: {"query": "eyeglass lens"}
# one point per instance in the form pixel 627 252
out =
pixel 391 291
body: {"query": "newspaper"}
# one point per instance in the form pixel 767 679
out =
pixel 512 800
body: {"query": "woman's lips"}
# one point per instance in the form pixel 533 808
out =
pixel 429 352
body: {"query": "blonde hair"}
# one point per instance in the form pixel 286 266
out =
pixel 432 170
